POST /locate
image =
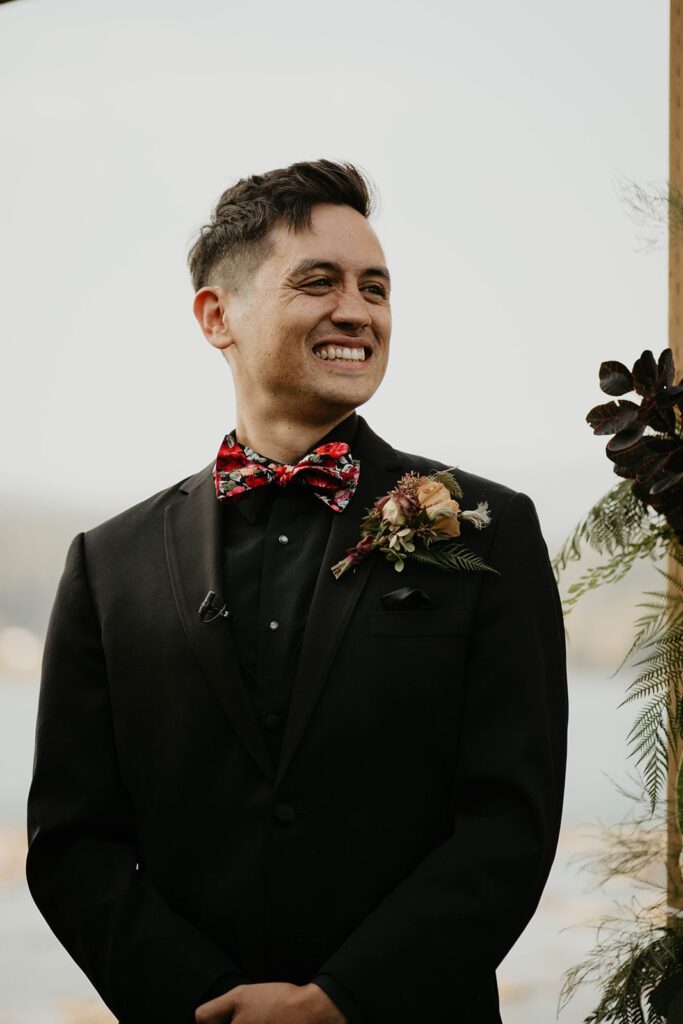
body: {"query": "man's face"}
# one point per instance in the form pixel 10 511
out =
pixel 322 289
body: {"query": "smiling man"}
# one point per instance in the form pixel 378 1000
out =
pixel 264 792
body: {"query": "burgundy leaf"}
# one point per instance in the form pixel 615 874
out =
pixel 665 369
pixel 615 378
pixel 621 470
pixel 612 417
pixel 661 445
pixel 650 467
pixel 676 460
pixel 625 438
pixel 655 414
pixel 628 462
pixel 674 509
pixel 645 374
pixel 672 396
pixel 666 482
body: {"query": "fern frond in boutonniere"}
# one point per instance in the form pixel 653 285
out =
pixel 420 519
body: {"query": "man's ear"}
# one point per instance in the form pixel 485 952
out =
pixel 211 307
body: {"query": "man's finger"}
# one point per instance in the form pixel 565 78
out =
pixel 220 1010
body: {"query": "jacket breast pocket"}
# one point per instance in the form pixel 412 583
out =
pixel 416 623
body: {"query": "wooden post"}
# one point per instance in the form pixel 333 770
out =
pixel 674 876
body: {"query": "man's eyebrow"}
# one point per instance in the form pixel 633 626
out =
pixel 306 266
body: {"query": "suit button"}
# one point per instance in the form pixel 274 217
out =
pixel 284 814
pixel 274 624
pixel 283 538
pixel 272 722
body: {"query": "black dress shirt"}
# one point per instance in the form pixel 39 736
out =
pixel 274 539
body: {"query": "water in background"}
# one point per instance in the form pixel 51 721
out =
pixel 40 984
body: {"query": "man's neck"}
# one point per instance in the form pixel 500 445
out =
pixel 282 440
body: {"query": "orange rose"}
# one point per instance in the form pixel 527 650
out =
pixel 449 524
pixel 432 493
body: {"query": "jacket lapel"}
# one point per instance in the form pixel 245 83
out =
pixel 333 599
pixel 194 552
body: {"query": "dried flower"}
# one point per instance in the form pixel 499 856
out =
pixel 391 511
pixel 479 516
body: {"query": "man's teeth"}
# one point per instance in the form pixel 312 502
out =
pixel 331 352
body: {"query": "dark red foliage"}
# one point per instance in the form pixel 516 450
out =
pixel 615 379
pixel 647 446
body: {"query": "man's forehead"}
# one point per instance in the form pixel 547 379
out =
pixel 311 254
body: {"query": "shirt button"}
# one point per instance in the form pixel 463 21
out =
pixel 272 722
pixel 274 624
pixel 283 538
pixel 284 814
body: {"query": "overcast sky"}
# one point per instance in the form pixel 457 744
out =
pixel 495 134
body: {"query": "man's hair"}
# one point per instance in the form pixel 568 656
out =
pixel 235 240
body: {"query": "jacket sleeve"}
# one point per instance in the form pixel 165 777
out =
pixel 147 962
pixel 431 947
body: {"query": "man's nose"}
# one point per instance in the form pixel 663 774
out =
pixel 351 309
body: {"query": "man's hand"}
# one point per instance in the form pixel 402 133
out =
pixel 272 1002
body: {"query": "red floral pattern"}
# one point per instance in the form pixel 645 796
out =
pixel 328 469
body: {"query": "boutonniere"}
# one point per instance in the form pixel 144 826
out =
pixel 420 518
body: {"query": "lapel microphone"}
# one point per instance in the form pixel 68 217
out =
pixel 208 610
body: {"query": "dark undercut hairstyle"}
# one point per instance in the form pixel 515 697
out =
pixel 236 240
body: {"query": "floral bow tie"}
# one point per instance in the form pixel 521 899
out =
pixel 329 470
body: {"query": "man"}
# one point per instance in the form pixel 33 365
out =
pixel 262 793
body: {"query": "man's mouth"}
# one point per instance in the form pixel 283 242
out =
pixel 355 353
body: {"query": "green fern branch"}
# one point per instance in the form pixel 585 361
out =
pixel 650 739
pixel 452 556
pixel 621 526
pixel 645 688
pixel 665 614
pixel 442 476
pixel 617 521
pixel 652 545
pixel 627 965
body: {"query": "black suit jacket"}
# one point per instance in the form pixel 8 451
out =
pixel 404 840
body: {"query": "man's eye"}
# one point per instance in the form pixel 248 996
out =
pixel 378 289
pixel 319 282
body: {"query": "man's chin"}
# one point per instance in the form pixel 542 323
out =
pixel 344 398
pixel 345 391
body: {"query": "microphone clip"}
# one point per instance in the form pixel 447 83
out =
pixel 209 609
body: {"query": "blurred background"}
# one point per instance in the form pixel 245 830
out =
pixel 501 138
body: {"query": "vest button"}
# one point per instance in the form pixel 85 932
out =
pixel 283 538
pixel 272 722
pixel 274 624
pixel 284 814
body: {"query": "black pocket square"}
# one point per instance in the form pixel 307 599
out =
pixel 405 599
